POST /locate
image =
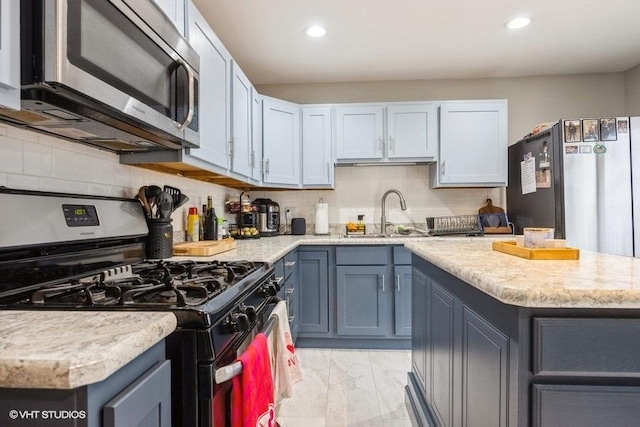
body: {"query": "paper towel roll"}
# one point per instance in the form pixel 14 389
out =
pixel 322 218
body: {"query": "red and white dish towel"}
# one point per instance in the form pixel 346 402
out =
pixel 252 392
pixel 285 364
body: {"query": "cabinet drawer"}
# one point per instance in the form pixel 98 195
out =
pixel 585 406
pixel 362 255
pixel 401 255
pixel 586 347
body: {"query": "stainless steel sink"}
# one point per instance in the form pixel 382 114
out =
pixel 383 236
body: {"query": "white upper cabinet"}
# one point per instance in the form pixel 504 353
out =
pixel 256 136
pixel 473 145
pixel 387 133
pixel 10 54
pixel 317 161
pixel 214 92
pixel 281 142
pixel 359 132
pixel 412 131
pixel 241 127
pixel 174 9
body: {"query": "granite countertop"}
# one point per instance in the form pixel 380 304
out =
pixel 594 281
pixel 69 349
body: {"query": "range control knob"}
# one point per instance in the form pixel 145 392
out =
pixel 239 322
pixel 250 311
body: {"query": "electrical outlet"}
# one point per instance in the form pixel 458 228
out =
pixel 290 212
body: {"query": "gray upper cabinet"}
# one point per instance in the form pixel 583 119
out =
pixel 10 54
pixel 242 155
pixel 317 142
pixel 473 145
pixel 412 131
pixel 174 9
pixel 215 87
pixel 359 132
pixel 281 143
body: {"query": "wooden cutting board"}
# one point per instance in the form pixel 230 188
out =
pixel 510 248
pixel 203 248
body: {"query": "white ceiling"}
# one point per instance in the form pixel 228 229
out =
pixel 424 39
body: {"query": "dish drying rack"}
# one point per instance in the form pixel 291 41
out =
pixel 468 225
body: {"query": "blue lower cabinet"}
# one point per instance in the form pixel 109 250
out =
pixel 137 395
pixel 402 300
pixel 364 295
pixel 313 292
pixel 146 402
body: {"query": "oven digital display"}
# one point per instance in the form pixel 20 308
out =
pixel 81 215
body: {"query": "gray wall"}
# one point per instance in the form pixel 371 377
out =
pixel 532 100
pixel 632 89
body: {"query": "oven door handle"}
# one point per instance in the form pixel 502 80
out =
pixel 234 369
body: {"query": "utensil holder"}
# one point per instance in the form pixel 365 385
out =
pixel 160 239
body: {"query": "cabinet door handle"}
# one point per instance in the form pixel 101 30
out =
pixel 380 143
pixel 398 282
pixel 392 144
pixel 266 167
pixel 442 165
pixel 289 291
pixel 230 147
pixel 382 278
pixel 291 318
pixel 253 159
pixel 290 263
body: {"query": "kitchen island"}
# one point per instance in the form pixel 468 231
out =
pixel 502 341
pixel 71 367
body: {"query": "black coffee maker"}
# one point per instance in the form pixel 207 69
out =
pixel 268 217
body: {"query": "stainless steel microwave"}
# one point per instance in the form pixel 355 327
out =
pixel 115 74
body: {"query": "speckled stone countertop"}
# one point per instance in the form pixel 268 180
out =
pixel 595 281
pixel 67 349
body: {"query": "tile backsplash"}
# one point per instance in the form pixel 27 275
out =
pixel 33 161
pixel 359 190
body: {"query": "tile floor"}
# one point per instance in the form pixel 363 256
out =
pixel 349 388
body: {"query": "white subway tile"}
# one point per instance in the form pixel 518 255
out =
pixel 10 155
pixel 36 159
pixel 22 134
pixel 3 179
pixel 107 171
pixel 3 129
pixel 78 187
pixel 64 164
pixel 88 168
pixel 52 184
pixel 23 182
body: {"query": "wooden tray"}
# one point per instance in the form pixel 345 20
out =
pixel 536 253
pixel 497 230
pixel 204 248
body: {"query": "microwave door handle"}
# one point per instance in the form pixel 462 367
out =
pixel 187 120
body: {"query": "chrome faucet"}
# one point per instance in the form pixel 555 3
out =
pixel 383 219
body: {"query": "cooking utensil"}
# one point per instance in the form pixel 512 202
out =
pixel 143 199
pixel 183 199
pixel 164 201
pixel 152 192
pixel 174 192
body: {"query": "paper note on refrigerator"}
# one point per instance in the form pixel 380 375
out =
pixel 528 175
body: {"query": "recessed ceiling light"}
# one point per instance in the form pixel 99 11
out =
pixel 316 31
pixel 517 23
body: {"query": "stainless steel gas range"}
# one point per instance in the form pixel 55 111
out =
pixel 72 252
